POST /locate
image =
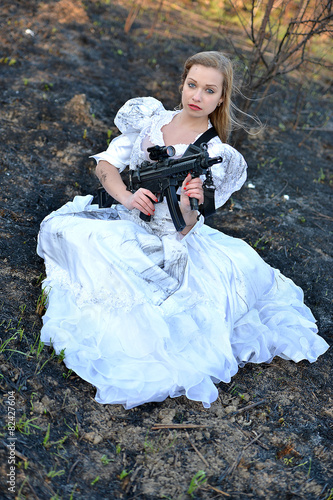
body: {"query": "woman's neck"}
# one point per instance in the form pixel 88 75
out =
pixel 183 129
pixel 190 123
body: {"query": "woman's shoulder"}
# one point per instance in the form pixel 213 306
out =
pixel 137 113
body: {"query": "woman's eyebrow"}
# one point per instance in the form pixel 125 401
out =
pixel 207 84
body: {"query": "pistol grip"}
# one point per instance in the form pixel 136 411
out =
pixel 145 217
pixel 194 204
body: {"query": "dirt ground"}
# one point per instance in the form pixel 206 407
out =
pixel 65 68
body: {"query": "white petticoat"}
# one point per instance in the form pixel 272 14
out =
pixel 143 314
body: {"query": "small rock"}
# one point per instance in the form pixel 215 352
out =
pixel 166 416
pixel 92 437
pixel 230 409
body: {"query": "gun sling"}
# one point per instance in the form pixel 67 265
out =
pixel 208 207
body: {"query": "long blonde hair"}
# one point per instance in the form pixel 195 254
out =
pixel 222 117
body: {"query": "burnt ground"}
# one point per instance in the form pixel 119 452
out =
pixel 269 435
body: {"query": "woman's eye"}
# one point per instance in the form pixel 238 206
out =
pixel 210 91
pixel 191 85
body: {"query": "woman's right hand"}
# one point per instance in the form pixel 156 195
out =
pixel 110 178
pixel 143 200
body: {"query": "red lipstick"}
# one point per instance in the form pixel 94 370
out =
pixel 194 107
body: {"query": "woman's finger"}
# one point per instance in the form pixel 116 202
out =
pixel 193 189
pixel 144 201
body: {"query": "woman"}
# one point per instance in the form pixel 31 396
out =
pixel 144 312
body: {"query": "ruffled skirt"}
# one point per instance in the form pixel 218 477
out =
pixel 142 314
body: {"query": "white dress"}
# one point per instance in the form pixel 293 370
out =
pixel 143 313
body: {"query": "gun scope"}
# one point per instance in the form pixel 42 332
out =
pixel 159 152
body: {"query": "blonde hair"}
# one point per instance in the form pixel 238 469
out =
pixel 222 117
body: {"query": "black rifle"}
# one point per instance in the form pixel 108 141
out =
pixel 164 176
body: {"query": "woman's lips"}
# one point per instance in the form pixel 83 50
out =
pixel 194 107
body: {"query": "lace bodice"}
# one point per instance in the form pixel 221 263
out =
pixel 140 122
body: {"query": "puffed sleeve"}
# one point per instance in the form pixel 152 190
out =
pixel 131 118
pixel 230 175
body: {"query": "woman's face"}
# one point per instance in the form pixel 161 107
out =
pixel 202 90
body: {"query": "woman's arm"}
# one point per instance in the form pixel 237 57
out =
pixel 111 180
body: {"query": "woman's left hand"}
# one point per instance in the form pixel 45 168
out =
pixel 191 188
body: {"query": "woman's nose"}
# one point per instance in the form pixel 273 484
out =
pixel 197 95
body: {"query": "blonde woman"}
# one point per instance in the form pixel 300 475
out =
pixel 144 311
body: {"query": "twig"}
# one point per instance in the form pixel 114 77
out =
pixel 231 386
pixel 322 215
pixel 262 445
pixel 322 491
pixel 253 441
pixel 132 478
pixel 71 470
pixel 231 469
pixel 17 453
pixel 217 490
pixel 276 195
pixel 33 491
pixel 157 427
pixel 318 129
pixel 305 249
pixel 198 452
pixel 236 462
pixel 132 14
pixel 315 223
pixel 151 31
pixel 245 408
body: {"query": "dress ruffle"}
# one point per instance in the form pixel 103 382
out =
pixel 140 328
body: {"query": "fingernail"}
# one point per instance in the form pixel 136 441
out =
pixel 149 215
pixel 185 188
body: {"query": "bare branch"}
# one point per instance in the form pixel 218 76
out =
pixel 275 53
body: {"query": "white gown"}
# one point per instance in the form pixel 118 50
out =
pixel 144 313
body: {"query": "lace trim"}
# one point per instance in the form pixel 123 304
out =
pixel 156 135
pixel 154 132
pixel 60 279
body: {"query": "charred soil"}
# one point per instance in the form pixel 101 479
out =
pixel 65 69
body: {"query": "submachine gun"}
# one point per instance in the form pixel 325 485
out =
pixel 164 174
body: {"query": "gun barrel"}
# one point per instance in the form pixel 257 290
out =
pixel 212 161
pixel 174 167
